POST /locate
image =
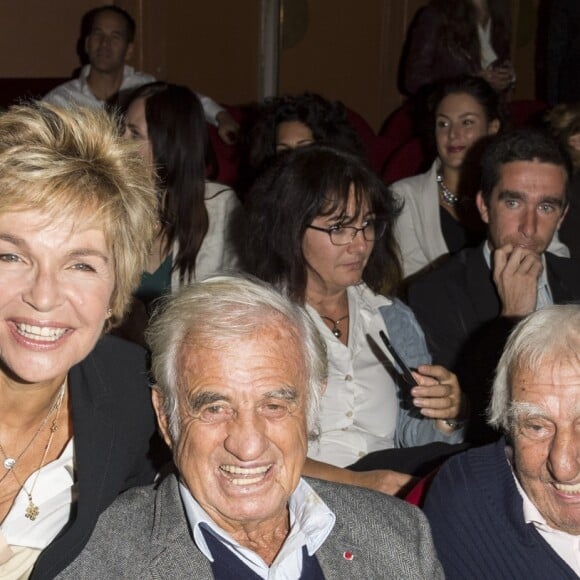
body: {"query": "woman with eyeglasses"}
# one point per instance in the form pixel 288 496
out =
pixel 321 230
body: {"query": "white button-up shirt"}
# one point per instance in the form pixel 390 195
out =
pixel 358 412
pixel 311 521
pixel 567 546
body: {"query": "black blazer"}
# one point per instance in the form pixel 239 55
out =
pixel 458 307
pixel 113 424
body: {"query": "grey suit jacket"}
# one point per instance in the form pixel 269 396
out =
pixel 145 534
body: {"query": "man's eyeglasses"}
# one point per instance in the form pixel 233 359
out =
pixel 340 235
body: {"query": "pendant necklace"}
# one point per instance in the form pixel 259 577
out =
pixel 335 330
pixel 10 462
pixel 32 511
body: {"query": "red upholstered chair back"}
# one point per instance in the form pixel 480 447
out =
pixel 368 137
pixel 418 493
pixel 407 160
pixel 398 128
pixel 228 156
pixel 526 112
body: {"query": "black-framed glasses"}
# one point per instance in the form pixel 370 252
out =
pixel 340 235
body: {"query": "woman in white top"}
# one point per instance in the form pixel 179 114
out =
pixel 321 228
pixel 198 219
pixel 439 214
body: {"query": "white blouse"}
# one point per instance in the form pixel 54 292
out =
pixel 358 412
pixel 21 539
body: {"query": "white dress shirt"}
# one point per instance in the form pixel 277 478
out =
pixel 53 491
pixel 567 546
pixel 78 92
pixel 311 521
pixel 359 409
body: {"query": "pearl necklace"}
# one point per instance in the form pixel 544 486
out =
pixel 445 193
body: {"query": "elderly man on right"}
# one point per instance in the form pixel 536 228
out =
pixel 240 371
pixel 512 509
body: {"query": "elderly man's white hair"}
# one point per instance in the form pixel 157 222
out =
pixel 549 335
pixel 222 309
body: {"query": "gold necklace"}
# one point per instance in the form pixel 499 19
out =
pixel 10 462
pixel 32 510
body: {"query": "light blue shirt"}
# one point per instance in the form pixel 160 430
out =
pixel 311 521
pixel 544 297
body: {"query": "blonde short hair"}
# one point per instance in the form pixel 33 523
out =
pixel 74 162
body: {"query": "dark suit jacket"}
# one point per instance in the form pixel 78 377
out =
pixel 563 52
pixel 145 534
pixel 113 424
pixel 458 308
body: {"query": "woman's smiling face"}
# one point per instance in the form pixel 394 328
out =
pixel 56 281
pixel 460 121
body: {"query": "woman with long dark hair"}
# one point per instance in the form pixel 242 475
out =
pixel 439 214
pixel 321 226
pixel 196 217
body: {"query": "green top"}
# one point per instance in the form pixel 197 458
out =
pixel 156 284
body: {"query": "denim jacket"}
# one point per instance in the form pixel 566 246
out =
pixel 408 339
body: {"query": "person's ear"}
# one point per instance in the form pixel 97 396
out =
pixel 482 208
pixel 129 52
pixel 493 127
pixel 162 420
pixel 574 141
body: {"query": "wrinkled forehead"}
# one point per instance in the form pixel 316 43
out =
pixel 230 337
pixel 553 383
pixel 250 370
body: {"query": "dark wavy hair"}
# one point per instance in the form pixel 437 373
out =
pixel 459 27
pixel 178 134
pixel 475 87
pixel 305 183
pixel 327 120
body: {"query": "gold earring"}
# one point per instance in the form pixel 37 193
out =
pixel 109 312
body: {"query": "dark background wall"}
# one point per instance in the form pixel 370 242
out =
pixel 344 49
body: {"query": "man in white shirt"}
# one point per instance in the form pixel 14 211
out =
pixel 512 509
pixel 239 373
pixel 109 45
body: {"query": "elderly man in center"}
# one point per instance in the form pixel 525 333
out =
pixel 239 374
pixel 512 509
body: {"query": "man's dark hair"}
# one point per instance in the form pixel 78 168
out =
pixel 130 26
pixel 520 145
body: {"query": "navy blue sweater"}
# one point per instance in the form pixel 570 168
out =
pixel 476 515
